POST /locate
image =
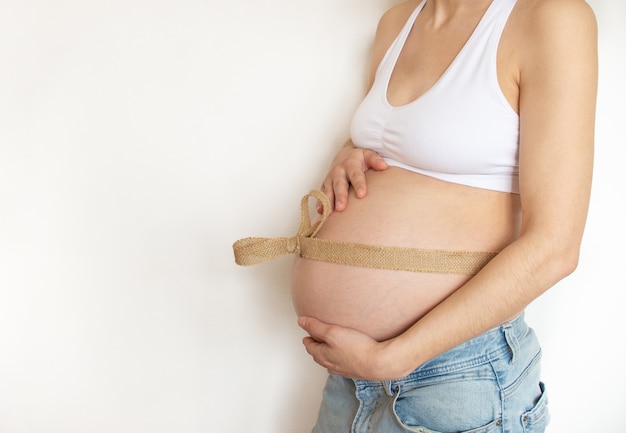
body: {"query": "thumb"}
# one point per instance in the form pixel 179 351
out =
pixel 315 328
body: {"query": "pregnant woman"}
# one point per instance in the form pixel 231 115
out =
pixel 476 135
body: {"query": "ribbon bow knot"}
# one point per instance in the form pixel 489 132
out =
pixel 252 251
pixel 293 245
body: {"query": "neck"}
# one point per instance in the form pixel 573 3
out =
pixel 441 12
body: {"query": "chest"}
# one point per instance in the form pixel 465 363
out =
pixel 427 53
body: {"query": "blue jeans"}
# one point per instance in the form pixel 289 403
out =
pixel 485 385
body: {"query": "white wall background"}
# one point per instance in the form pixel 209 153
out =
pixel 139 139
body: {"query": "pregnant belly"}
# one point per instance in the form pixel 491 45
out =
pixel 407 210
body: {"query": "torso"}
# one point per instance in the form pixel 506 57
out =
pixel 407 209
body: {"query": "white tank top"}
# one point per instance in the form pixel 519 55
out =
pixel 462 130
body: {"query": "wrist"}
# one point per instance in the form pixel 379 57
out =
pixel 348 145
pixel 397 359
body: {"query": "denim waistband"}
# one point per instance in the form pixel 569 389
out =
pixel 479 350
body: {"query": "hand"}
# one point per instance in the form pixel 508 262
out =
pixel 347 352
pixel 348 168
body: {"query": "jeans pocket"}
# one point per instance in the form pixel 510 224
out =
pixel 536 420
pixel 460 403
pixel 492 427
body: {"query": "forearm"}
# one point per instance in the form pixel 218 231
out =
pixel 500 292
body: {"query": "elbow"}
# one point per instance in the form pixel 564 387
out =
pixel 570 262
pixel 550 257
pixel 563 261
pixel 554 250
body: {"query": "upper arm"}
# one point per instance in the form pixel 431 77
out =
pixel 558 81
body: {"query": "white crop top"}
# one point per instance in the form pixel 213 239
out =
pixel 461 130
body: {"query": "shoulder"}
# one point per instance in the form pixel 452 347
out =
pixel 551 33
pixel 578 9
pixel 390 25
pixel 395 17
pixel 556 19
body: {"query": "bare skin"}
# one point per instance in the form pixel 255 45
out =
pixel 547 70
pixel 381 303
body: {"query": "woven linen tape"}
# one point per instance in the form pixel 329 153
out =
pixel 252 251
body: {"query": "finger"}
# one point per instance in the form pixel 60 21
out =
pixel 318 206
pixel 356 175
pixel 312 347
pixel 374 160
pixel 329 193
pixel 340 188
pixel 318 351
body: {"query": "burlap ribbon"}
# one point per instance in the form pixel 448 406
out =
pixel 251 251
